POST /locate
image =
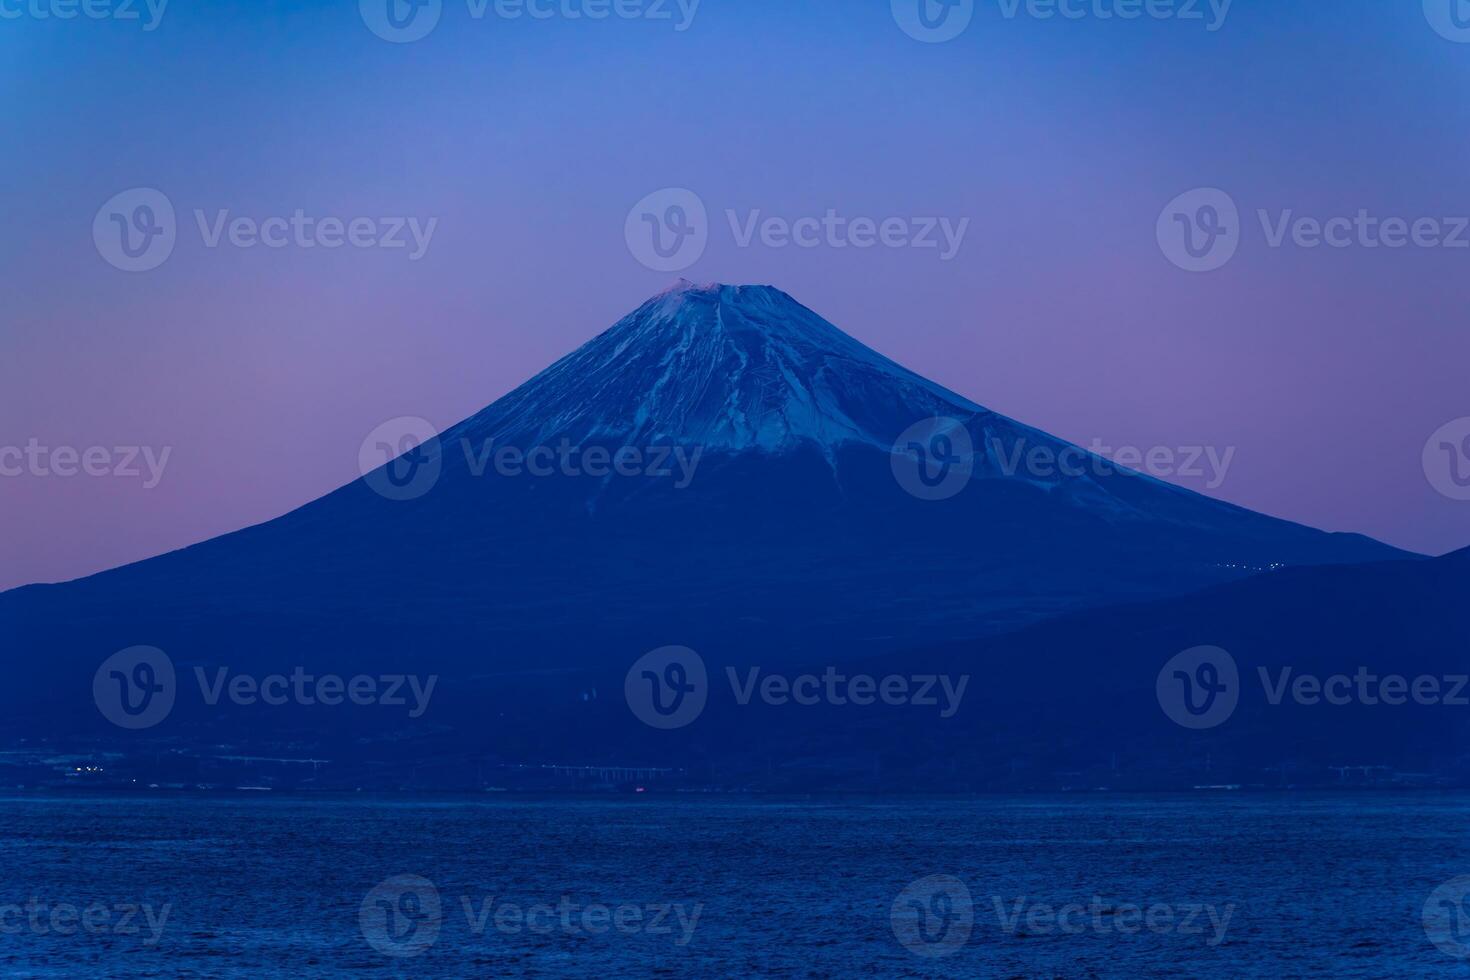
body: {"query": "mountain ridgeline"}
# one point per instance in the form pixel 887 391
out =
pixel 721 469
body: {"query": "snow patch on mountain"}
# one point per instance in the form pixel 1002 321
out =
pixel 734 368
pixel 741 369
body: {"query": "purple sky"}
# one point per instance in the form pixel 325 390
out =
pixel 1325 369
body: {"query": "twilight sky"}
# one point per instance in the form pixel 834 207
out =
pixel 261 370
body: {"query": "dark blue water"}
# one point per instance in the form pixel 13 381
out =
pixel 1220 886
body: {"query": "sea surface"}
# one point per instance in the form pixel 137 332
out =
pixel 1225 885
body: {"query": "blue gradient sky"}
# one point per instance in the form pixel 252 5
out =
pixel 529 140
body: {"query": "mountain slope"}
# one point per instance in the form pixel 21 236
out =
pixel 729 368
pixel 1073 702
pixel 791 536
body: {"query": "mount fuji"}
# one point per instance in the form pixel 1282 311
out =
pixel 731 369
pixel 794 536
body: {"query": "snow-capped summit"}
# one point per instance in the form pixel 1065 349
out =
pixel 803 537
pixel 725 367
